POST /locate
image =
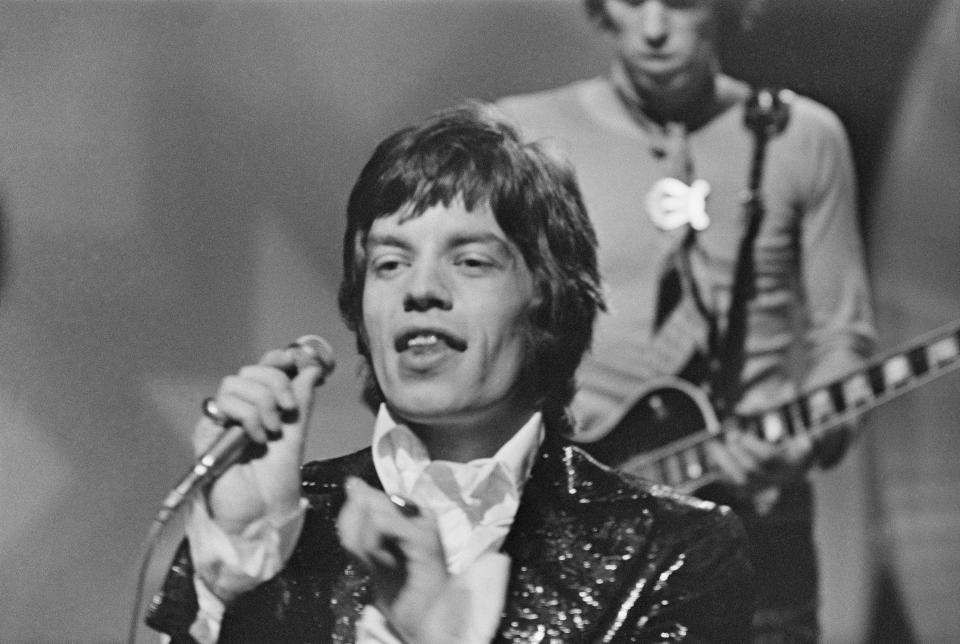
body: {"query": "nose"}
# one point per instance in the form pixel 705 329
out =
pixel 654 23
pixel 427 289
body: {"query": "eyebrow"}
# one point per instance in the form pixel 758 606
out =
pixel 385 240
pixel 460 239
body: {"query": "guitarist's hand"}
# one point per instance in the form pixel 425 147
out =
pixel 754 464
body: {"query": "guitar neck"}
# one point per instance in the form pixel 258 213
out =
pixel 684 464
pixel 843 400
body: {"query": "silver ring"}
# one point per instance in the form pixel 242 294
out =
pixel 214 413
pixel 407 507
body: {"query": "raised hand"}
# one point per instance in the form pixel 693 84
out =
pixel 273 410
pixel 411 584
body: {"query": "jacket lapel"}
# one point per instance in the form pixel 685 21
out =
pixel 575 546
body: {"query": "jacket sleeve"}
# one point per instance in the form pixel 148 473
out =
pixel 296 604
pixel 292 606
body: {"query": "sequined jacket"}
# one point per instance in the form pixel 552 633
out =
pixel 597 556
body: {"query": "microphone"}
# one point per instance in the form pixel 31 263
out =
pixel 307 351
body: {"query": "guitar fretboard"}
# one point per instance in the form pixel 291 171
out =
pixel 821 410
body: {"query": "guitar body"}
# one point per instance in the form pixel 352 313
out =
pixel 669 418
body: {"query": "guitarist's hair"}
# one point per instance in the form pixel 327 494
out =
pixel 731 15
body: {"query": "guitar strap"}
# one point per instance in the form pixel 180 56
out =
pixel 766 115
pixel 681 321
pixel 688 339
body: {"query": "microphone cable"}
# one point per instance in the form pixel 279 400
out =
pixel 146 556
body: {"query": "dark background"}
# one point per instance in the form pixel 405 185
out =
pixel 173 177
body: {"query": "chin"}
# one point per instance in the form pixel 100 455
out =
pixel 426 404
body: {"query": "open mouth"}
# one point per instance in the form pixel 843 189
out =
pixel 428 339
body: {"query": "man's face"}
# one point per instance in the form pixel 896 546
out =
pixel 445 310
pixel 665 45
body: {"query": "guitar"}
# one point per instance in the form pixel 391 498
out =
pixel 672 407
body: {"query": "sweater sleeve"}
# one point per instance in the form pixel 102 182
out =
pixel 840 331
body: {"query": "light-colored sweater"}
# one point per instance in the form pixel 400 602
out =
pixel 808 254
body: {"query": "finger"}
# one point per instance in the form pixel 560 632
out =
pixel 798 451
pixel 278 358
pixel 397 515
pixel 276 380
pixel 347 520
pixel 757 448
pixel 355 523
pixel 747 450
pixel 406 507
pixel 265 387
pixel 383 526
pixel 729 465
pixel 380 514
pixel 300 380
pixel 237 412
pixel 247 415
pixel 251 403
pixel 285 362
pixel 361 530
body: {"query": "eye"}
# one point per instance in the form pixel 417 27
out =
pixel 385 265
pixel 475 263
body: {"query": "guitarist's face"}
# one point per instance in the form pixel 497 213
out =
pixel 666 46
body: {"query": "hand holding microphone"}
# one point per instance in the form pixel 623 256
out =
pixel 263 410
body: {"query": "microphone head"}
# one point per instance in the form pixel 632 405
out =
pixel 314 350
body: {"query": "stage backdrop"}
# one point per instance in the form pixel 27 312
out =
pixel 173 177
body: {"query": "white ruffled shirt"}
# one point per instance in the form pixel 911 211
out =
pixel 474 504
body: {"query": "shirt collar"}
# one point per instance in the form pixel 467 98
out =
pixel 399 456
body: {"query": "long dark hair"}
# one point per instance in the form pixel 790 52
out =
pixel 470 152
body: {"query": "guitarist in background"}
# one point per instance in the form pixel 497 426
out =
pixel 666 147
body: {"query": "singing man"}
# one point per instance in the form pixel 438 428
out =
pixel 470 280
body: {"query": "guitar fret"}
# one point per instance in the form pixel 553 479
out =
pixel 800 416
pixel 752 425
pixel 877 379
pixel 918 362
pixel 821 405
pixel 896 372
pixel 944 351
pixel 857 391
pixel 786 413
pixel 664 473
pixel 837 396
pixel 672 473
pixel 695 464
pixel 773 426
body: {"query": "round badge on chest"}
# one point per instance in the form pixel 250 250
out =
pixel 671 203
